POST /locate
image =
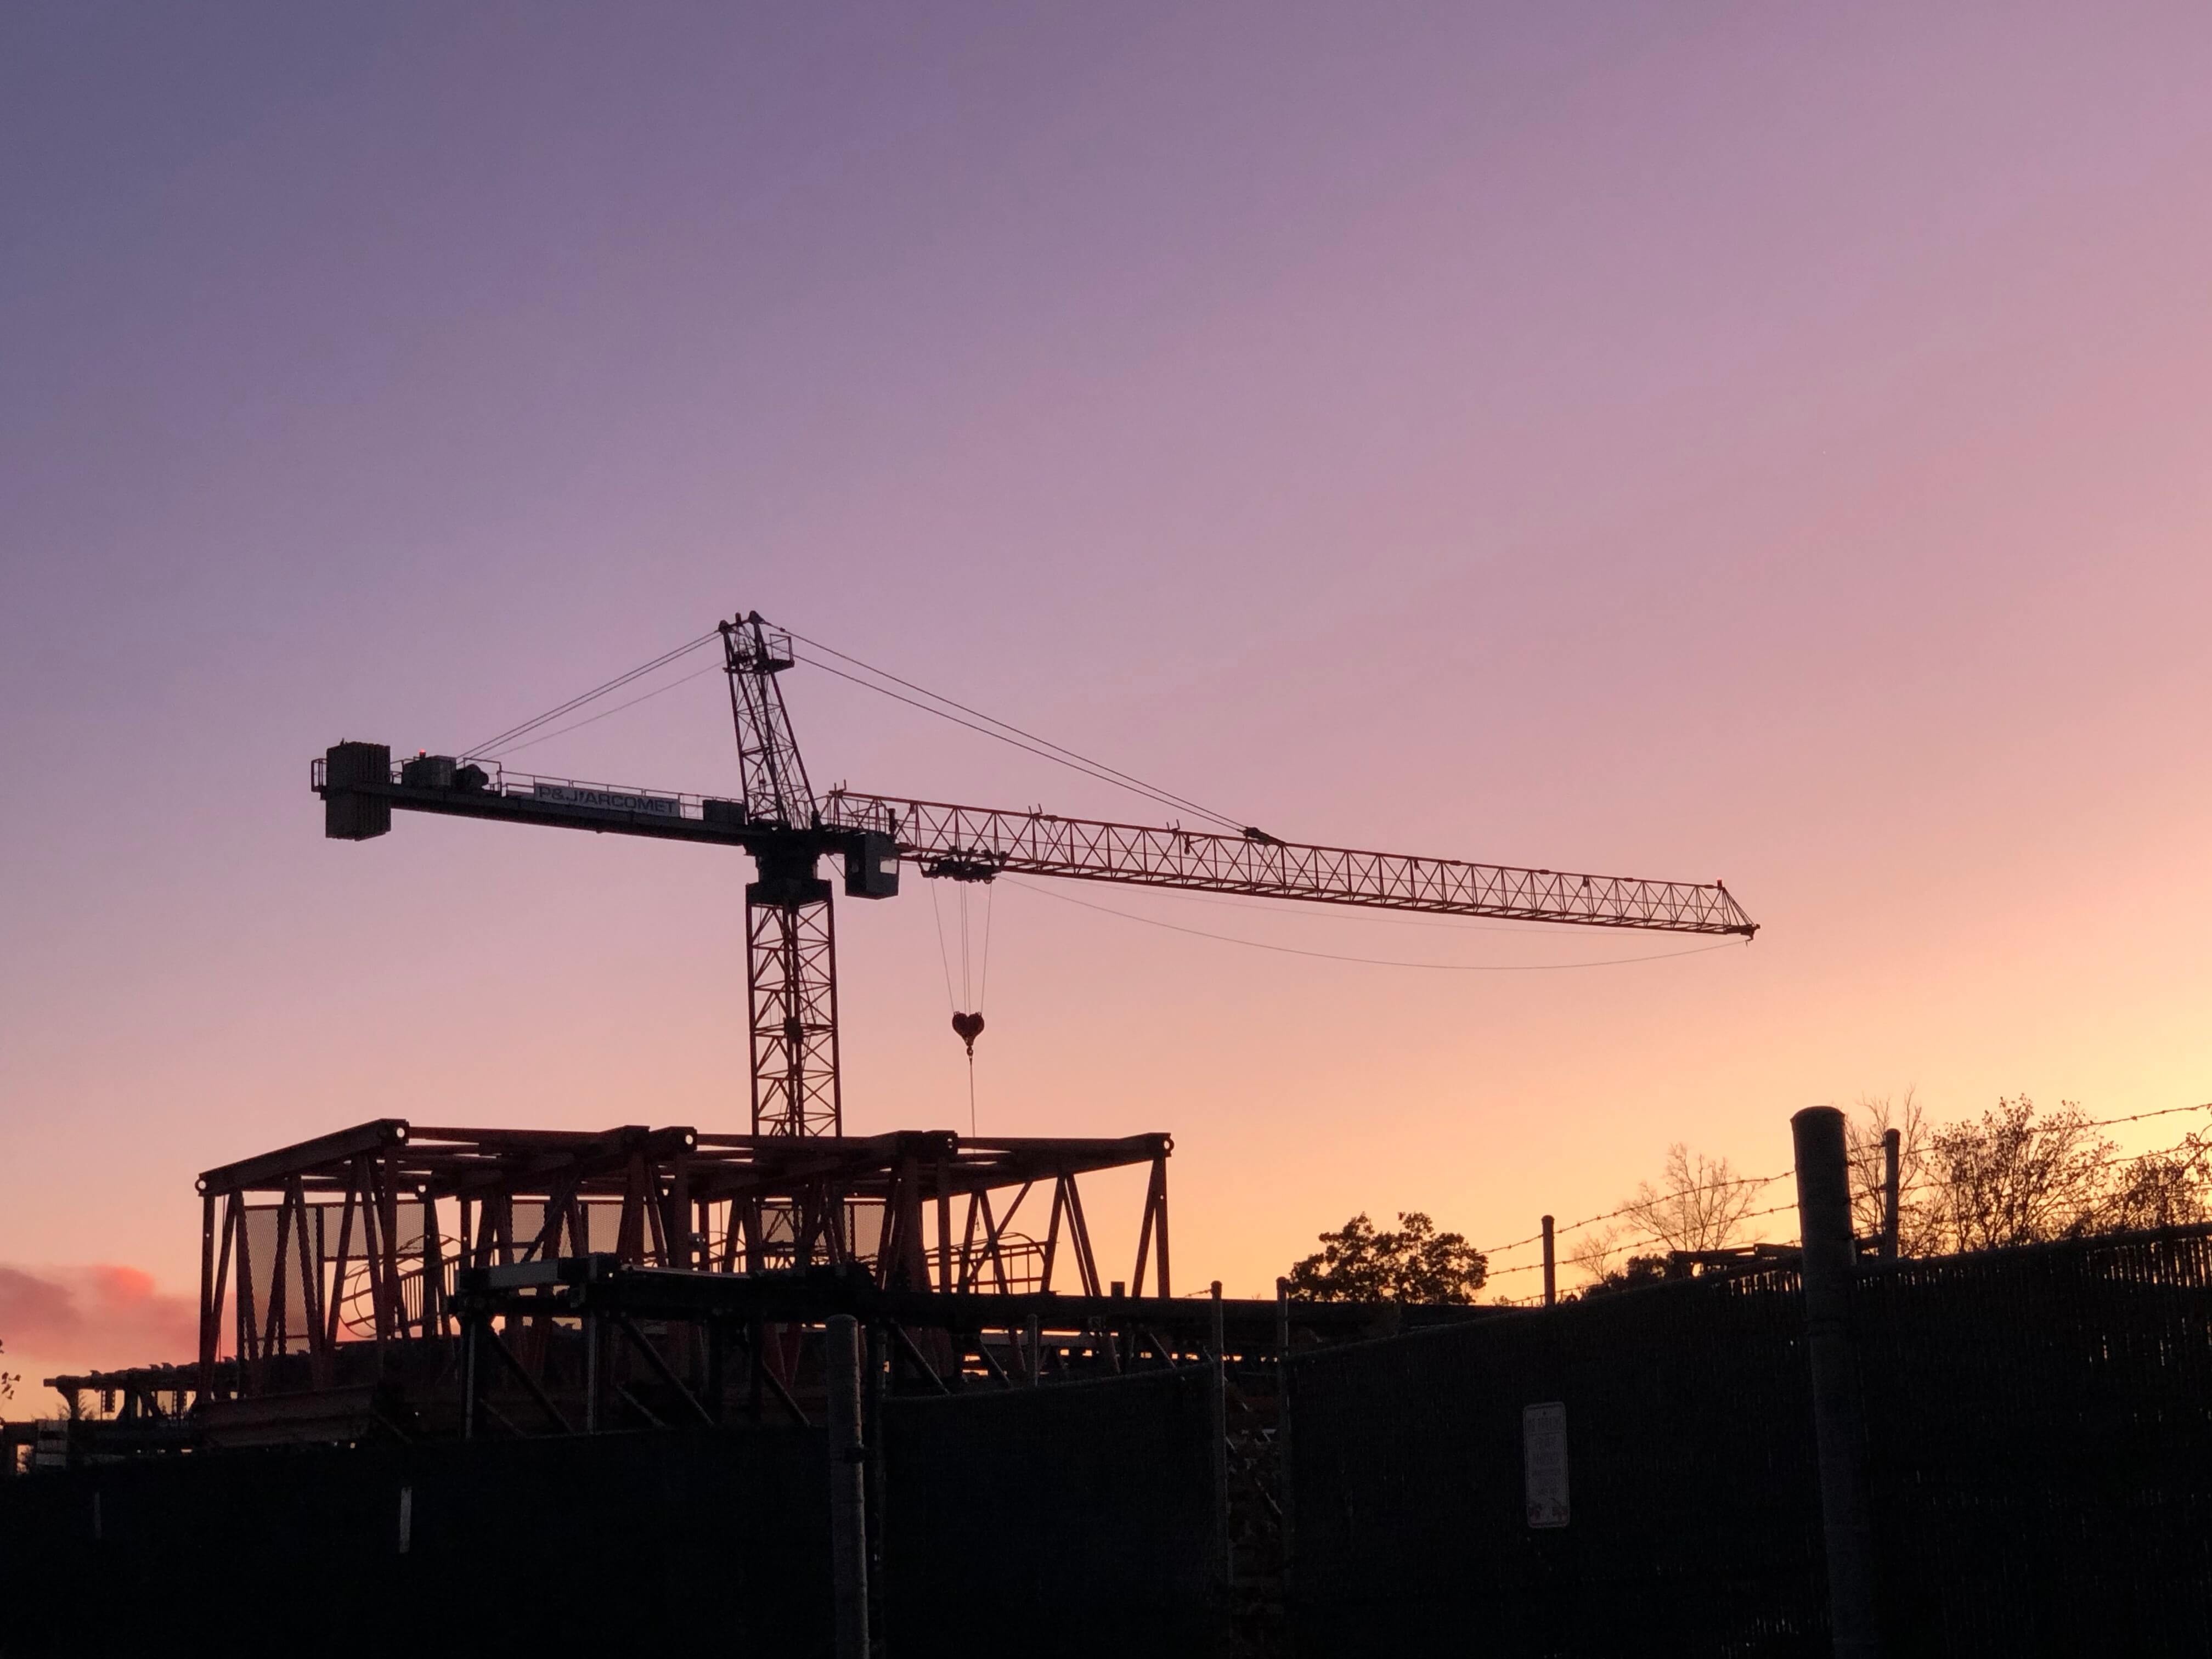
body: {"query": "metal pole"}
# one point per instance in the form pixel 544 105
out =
pixel 1890 1141
pixel 1550 1269
pixel 1037 1350
pixel 1282 1425
pixel 1224 1562
pixel 848 1517
pixel 1829 1260
pixel 591 1374
pixel 469 1375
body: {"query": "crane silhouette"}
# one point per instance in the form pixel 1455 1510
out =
pixel 790 933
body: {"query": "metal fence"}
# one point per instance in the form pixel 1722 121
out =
pixel 2040 1425
pixel 2039 1442
pixel 611 1544
pixel 1694 1516
pixel 1078 1519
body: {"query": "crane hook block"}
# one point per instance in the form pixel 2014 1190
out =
pixel 967 1028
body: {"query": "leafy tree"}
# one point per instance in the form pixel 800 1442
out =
pixel 7 1379
pixel 2011 1177
pixel 2167 1188
pixel 1416 1263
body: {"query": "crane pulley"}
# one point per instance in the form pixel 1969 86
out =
pixel 791 942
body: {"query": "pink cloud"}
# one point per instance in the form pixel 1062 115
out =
pixel 100 1314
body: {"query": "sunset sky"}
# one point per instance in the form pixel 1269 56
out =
pixel 1704 441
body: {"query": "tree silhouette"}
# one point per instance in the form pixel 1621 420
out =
pixel 1416 1263
pixel 1698 1206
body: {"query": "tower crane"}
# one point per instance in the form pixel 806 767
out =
pixel 790 937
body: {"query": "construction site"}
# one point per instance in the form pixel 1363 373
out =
pixel 788 1389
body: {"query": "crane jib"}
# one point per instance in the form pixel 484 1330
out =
pixel 977 843
pixel 960 839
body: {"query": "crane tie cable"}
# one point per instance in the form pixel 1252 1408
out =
pixel 509 736
pixel 1022 739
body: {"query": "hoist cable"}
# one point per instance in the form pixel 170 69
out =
pixel 943 961
pixel 967 976
pixel 983 973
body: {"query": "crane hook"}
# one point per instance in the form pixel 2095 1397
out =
pixel 968 1027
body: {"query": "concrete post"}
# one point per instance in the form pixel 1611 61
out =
pixel 848 1522
pixel 1829 1260
pixel 1890 1142
pixel 1550 1268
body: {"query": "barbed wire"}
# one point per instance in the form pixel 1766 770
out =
pixel 1768 1181
pixel 2165 1111
pixel 1626 1209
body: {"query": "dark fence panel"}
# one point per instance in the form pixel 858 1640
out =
pixel 2039 1440
pixel 1074 1520
pixel 1695 1524
pixel 2040 1423
pixel 617 1542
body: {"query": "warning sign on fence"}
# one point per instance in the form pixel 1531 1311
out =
pixel 1544 1460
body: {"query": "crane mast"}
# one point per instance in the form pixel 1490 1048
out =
pixel 790 935
pixel 791 955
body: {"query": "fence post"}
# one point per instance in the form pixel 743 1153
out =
pixel 1890 1142
pixel 1282 1426
pixel 1829 1260
pixel 1550 1268
pixel 1223 1563
pixel 848 1524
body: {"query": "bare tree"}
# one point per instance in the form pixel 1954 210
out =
pixel 1697 1205
pixel 1863 1129
pixel 1593 1253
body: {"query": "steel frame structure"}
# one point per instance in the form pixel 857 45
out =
pixel 652 1347
pixel 353 1241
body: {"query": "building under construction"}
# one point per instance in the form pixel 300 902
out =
pixel 876 1383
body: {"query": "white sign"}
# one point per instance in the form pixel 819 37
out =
pixel 604 800
pixel 1544 1458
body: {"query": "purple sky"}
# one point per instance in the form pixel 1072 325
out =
pixel 1744 441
